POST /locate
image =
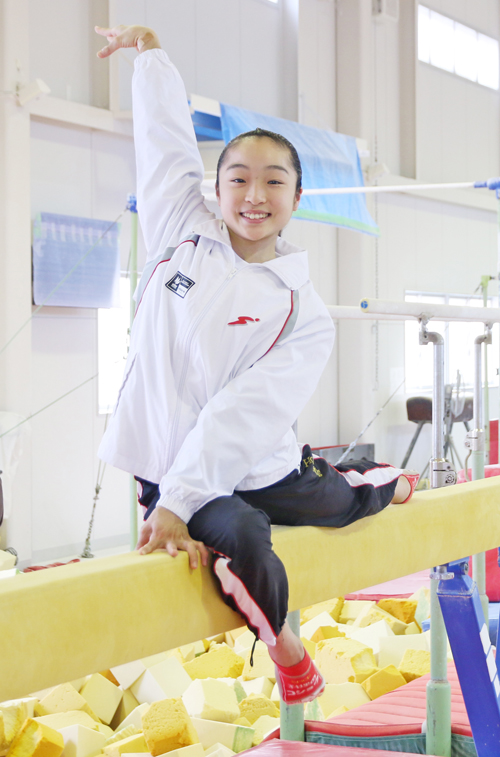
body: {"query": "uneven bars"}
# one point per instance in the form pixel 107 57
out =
pixel 386 310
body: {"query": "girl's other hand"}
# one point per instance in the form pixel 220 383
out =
pixel 140 37
pixel 165 530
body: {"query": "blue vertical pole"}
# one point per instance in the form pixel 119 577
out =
pixel 473 654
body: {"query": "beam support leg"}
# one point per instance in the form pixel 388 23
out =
pixel 292 716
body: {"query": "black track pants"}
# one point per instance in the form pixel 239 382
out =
pixel 238 528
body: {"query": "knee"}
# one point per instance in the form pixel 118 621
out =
pixel 251 530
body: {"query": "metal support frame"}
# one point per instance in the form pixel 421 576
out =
pixel 473 654
pixel 132 206
pixel 475 441
pixel 438 741
pixel 292 716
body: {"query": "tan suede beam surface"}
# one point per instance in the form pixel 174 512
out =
pixel 60 624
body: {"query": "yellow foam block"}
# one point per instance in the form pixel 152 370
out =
pixel 256 705
pixel 167 726
pixel 194 750
pixel 219 662
pixel 243 721
pixel 102 696
pixel 235 737
pixel 261 685
pixel 219 750
pixel 80 741
pixel 412 629
pixel 263 726
pixel 415 663
pixel 64 719
pixel 310 647
pixel 30 703
pixel 371 615
pixel 339 711
pixel 36 740
pixel 63 698
pixel 123 733
pixel 337 695
pixel 327 632
pixel 212 700
pixel 164 680
pixel 392 648
pixel 262 664
pixel 132 744
pixel 352 608
pixel 13 717
pixel 344 660
pixel 231 636
pixel 323 619
pixel 402 609
pixel 383 681
pixel 431 529
pixel 332 606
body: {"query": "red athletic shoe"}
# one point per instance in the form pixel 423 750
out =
pixel 299 683
pixel 412 479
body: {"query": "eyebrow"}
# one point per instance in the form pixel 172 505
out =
pixel 242 165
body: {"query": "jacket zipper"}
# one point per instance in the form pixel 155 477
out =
pixel 187 342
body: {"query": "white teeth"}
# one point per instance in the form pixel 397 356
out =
pixel 254 216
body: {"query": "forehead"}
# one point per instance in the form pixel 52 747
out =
pixel 258 152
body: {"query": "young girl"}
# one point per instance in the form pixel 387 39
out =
pixel 228 344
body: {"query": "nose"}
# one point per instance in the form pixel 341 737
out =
pixel 255 193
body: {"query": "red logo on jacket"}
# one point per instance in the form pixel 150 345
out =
pixel 242 320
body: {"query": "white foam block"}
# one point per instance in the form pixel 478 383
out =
pixel 135 717
pixel 193 750
pixel 30 703
pixel 212 700
pixel 323 619
pixel 164 680
pixel 260 685
pixel 392 648
pixel 371 635
pixel 219 750
pixel 235 737
pixel 128 673
pixel 80 741
pixel 102 696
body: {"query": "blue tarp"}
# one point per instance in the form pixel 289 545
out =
pixel 328 160
pixel 59 244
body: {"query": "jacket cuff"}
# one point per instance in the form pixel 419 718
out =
pixel 176 506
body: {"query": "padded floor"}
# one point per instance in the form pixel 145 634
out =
pixel 394 722
pixel 276 748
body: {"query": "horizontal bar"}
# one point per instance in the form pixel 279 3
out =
pixel 350 312
pixel 60 624
pixel 388 188
pixel 372 307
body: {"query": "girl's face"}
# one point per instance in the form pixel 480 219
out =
pixel 257 189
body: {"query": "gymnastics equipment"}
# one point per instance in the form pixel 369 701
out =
pixel 129 606
pixel 132 206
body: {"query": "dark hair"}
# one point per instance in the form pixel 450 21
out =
pixel 278 138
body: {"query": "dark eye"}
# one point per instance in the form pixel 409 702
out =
pixel 238 181
pixel 275 181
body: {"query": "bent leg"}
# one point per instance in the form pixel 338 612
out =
pixel 252 577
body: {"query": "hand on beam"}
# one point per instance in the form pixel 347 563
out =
pixel 140 37
pixel 165 530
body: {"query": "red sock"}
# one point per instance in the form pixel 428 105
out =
pixel 299 683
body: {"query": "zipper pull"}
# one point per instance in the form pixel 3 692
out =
pixel 232 274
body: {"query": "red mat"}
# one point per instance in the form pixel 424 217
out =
pixel 276 748
pixel 399 587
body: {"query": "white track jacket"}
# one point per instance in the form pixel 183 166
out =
pixel 224 354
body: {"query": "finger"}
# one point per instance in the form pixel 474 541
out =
pixel 144 535
pixel 109 49
pixel 203 552
pixel 153 543
pixel 172 549
pixel 190 548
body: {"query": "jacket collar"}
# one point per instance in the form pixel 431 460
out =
pixel 290 264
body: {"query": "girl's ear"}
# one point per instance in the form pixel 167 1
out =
pixel 217 194
pixel 297 199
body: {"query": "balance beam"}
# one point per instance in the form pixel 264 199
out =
pixel 60 624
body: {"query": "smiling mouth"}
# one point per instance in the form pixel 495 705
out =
pixel 255 216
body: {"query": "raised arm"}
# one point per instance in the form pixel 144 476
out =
pixel 169 165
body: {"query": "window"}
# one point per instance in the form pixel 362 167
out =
pixel 459 345
pixel 456 48
pixel 112 347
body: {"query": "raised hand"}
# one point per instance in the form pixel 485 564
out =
pixel 165 530
pixel 140 37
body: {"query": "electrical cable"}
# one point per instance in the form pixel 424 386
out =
pixel 353 444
